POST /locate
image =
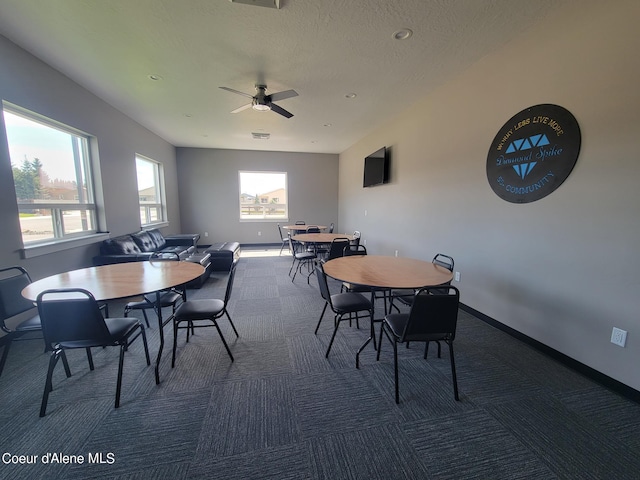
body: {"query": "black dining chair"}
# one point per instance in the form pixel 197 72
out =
pixel 12 304
pixel 303 258
pixel 167 298
pixel 433 317
pixel 406 296
pixel 204 312
pixel 341 304
pixel 71 318
pixel 284 238
pixel 336 248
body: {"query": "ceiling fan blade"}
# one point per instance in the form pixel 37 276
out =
pixel 275 97
pixel 236 91
pixel 281 111
pixel 244 107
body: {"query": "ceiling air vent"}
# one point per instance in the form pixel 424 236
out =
pixel 260 136
pixel 260 3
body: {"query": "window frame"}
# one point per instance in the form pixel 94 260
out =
pixel 86 169
pixel 159 186
pixel 264 206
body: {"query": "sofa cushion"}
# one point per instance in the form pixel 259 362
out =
pixel 123 245
pixel 147 241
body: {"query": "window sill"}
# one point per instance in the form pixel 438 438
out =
pixel 151 226
pixel 59 246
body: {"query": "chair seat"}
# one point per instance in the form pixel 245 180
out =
pixel 167 299
pixel 199 309
pixel 305 256
pixel 397 322
pixel 33 324
pixel 350 302
pixel 119 329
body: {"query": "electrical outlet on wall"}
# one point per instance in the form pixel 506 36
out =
pixel 618 336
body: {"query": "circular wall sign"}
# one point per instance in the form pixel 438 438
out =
pixel 533 153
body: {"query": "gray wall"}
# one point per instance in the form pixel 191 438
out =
pixel 209 196
pixel 29 83
pixel 563 270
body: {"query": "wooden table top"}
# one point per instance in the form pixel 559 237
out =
pixel 303 228
pixel 319 237
pixel 386 271
pixel 120 280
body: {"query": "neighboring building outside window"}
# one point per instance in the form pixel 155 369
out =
pixel 150 191
pixel 52 175
pixel 263 196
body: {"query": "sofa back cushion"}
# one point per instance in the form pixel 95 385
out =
pixel 158 238
pixel 149 240
pixel 119 246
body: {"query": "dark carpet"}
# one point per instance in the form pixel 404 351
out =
pixel 283 411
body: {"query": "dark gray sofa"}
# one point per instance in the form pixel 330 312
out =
pixel 139 246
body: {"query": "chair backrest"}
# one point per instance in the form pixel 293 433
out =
pixel 300 222
pixel 434 314
pixel 322 283
pixel 282 237
pixel 444 261
pixel 331 227
pixel 71 315
pixel 232 275
pixel 313 229
pixel 354 250
pixel 12 302
pixel 336 249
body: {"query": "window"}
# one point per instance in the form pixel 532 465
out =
pixel 150 191
pixel 263 196
pixel 52 178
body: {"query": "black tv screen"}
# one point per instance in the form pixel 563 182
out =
pixel 376 168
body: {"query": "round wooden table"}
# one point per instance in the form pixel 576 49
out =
pixel 120 280
pixel 319 237
pixel 385 272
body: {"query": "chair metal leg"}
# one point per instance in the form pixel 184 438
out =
pixel 453 372
pixel 48 384
pixel 321 316
pixel 146 346
pixel 119 380
pixel 175 342
pixel 5 352
pixel 231 322
pixel 335 330
pixel 395 368
pixel 90 358
pixel 223 340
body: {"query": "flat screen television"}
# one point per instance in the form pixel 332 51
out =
pixel 376 168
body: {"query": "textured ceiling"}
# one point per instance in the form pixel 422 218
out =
pixel 323 49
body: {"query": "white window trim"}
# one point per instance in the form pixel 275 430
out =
pixel 264 220
pixel 162 222
pixel 34 249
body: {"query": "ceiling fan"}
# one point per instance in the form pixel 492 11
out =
pixel 263 102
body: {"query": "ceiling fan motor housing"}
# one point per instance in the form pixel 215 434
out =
pixel 261 101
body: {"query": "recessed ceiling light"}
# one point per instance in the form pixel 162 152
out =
pixel 402 34
pixel 350 95
pixel 154 77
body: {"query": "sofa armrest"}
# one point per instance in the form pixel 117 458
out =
pixel 182 239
